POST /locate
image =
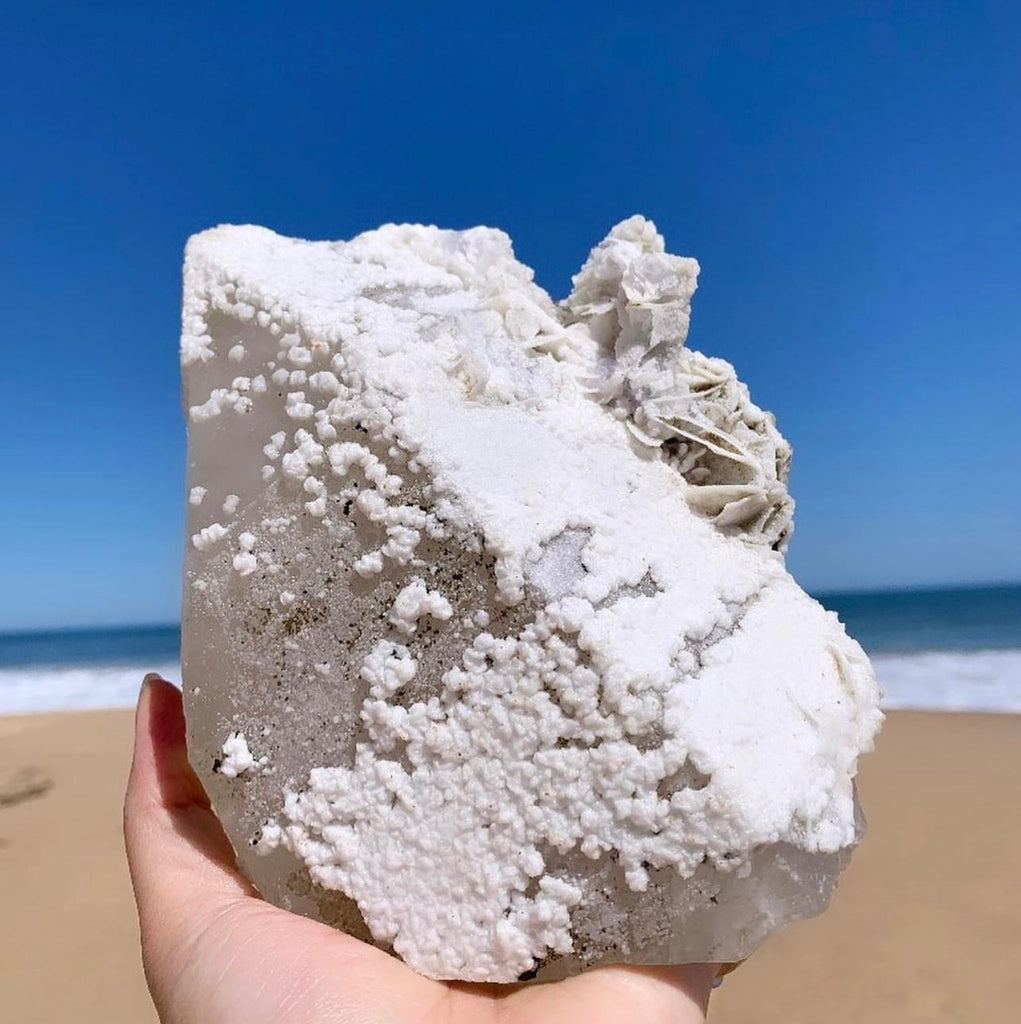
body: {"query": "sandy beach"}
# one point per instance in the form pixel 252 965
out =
pixel 925 927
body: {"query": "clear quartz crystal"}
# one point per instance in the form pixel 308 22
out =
pixel 490 654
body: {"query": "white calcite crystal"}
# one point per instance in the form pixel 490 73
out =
pixel 490 653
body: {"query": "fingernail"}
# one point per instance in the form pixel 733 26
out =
pixel 152 677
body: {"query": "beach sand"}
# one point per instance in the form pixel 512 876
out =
pixel 925 927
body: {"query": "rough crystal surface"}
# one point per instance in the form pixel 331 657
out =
pixel 490 654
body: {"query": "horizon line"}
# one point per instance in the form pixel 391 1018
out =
pixel 817 594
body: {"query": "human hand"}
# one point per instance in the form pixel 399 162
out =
pixel 215 953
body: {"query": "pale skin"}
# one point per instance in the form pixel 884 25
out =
pixel 215 953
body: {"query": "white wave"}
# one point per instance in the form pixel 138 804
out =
pixel 930 680
pixel 951 680
pixel 62 688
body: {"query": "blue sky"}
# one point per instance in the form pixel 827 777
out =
pixel 847 174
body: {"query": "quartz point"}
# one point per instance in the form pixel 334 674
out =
pixel 490 655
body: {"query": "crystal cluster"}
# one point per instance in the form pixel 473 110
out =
pixel 490 654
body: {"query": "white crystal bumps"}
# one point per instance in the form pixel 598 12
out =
pixel 490 654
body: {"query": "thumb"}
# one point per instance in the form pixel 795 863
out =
pixel 182 864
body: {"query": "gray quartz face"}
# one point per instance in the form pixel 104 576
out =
pixel 490 654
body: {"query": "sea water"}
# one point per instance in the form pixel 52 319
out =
pixel 83 668
pixel 952 649
pixel 947 649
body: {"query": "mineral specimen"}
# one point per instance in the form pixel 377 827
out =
pixel 490 653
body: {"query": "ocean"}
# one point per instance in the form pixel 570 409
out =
pixel 956 649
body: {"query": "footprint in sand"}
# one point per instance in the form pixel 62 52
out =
pixel 22 783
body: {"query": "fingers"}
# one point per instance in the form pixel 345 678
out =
pixel 652 995
pixel 180 859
